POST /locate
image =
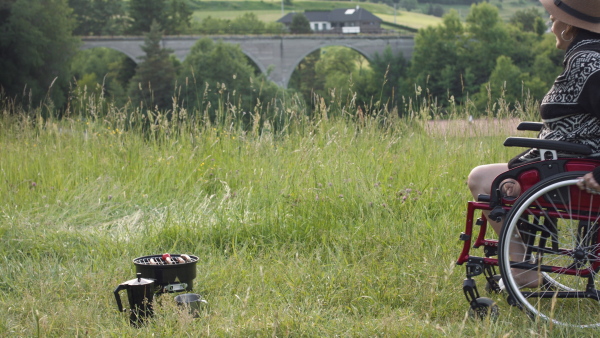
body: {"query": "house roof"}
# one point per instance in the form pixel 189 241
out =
pixel 335 15
pixel 345 15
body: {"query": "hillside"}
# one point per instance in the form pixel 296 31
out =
pixel 271 10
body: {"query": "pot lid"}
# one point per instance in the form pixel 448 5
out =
pixel 139 281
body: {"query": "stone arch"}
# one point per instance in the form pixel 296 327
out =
pixel 275 56
pixel 133 57
pixel 260 65
pixel 303 56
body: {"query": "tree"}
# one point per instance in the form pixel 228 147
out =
pixel 215 74
pixel 213 26
pixel 452 60
pixel 144 12
pixel 436 62
pixel 179 17
pixel 300 24
pixel 389 72
pixel 36 46
pixel 510 83
pixel 304 77
pixel 343 72
pixel 547 64
pixel 103 70
pixel 435 10
pixel 529 20
pixel 174 17
pixel 154 79
pixel 487 38
pixel 522 50
pixel 98 17
pixel 248 23
pixel 409 5
pixel 505 81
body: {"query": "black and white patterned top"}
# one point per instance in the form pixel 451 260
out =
pixel 570 111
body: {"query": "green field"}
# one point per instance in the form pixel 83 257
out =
pixel 333 226
pixel 269 11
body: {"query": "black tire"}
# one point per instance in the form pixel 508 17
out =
pixel 483 308
pixel 550 236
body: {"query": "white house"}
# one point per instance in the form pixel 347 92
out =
pixel 353 20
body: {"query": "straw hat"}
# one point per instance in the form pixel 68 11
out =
pixel 579 13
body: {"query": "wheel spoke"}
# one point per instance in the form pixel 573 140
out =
pixel 550 240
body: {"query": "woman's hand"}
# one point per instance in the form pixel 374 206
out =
pixel 589 184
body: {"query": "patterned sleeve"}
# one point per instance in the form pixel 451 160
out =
pixel 589 99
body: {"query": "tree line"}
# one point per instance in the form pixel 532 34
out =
pixel 472 62
pixel 134 17
pixel 475 63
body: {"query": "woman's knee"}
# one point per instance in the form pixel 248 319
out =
pixel 480 179
pixel 474 180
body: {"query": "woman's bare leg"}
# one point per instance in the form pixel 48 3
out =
pixel 480 182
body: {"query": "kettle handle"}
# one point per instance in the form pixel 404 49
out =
pixel 118 297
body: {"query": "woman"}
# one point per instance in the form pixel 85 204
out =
pixel 570 111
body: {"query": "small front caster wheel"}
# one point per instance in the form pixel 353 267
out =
pixel 483 307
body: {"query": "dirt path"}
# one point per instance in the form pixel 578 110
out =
pixel 473 128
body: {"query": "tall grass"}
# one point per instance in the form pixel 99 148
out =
pixel 339 224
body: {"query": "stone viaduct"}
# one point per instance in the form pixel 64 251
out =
pixel 276 56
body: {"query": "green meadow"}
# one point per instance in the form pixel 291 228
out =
pixel 270 11
pixel 343 223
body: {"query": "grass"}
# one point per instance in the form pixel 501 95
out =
pixel 506 9
pixel 336 226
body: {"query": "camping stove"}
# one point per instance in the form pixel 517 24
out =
pixel 170 275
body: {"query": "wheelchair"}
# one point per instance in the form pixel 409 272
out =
pixel 550 229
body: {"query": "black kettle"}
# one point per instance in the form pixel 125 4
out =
pixel 140 292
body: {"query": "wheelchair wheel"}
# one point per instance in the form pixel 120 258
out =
pixel 549 252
